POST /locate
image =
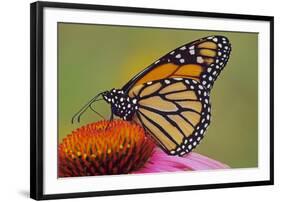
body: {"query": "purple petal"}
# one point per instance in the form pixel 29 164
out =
pixel 161 162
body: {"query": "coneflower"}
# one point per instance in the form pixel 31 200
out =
pixel 121 147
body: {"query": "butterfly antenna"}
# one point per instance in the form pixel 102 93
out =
pixel 84 108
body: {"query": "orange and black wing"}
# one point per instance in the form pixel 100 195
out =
pixel 200 60
pixel 175 111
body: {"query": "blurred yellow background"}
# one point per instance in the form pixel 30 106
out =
pixel 95 58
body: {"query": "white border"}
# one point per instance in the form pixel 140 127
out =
pixel 52 185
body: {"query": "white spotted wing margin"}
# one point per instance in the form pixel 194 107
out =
pixel 211 52
pixel 222 50
pixel 175 112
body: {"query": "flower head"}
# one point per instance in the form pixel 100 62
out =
pixel 103 148
pixel 121 147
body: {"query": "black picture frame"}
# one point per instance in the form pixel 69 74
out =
pixel 37 101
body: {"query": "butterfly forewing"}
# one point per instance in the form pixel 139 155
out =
pixel 201 60
pixel 175 112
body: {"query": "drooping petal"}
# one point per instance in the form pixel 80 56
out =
pixel 161 162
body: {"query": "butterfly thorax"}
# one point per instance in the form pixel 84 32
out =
pixel 121 104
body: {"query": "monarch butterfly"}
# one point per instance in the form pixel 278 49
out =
pixel 170 98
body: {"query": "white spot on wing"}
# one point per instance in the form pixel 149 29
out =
pixel 183 48
pixel 192 52
pixel 167 81
pixel 200 59
pixel 191 47
pixel 178 56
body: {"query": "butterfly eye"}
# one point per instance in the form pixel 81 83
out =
pixel 107 96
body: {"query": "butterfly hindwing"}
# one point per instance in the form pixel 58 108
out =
pixel 175 112
pixel 201 60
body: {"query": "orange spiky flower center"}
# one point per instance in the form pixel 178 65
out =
pixel 104 148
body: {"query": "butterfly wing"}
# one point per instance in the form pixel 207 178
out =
pixel 175 112
pixel 201 60
pixel 173 93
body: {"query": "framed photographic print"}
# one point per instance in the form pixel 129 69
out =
pixel 135 100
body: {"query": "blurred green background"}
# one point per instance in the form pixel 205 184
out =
pixel 94 58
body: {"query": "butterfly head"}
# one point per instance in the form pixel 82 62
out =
pixel 121 104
